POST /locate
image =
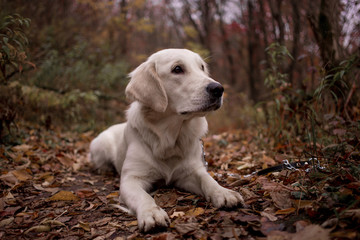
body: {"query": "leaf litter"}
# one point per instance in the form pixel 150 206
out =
pixel 49 191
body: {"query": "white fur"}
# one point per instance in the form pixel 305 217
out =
pixel 161 139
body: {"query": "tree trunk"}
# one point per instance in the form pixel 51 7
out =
pixel 296 37
pixel 226 46
pixel 251 46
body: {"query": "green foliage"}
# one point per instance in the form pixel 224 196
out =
pixel 294 114
pixel 79 69
pixel 71 86
pixel 11 105
pixel 334 82
pixel 13 42
pixel 275 78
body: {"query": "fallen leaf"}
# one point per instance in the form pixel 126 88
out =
pixel 185 228
pixel 195 212
pixel 270 186
pixel 281 199
pixel 52 223
pixel 85 226
pixel 6 221
pixel 268 160
pixel 64 196
pixel 299 203
pixel 21 148
pixel 285 211
pixel 177 214
pixel 270 216
pixel 166 200
pixel 40 188
pixel 245 166
pixel 314 232
pixel 101 222
pixel 65 161
pixel 354 214
pixel 91 206
pixel 113 195
pixel 345 234
pixel 22 175
pixel 39 228
pixel 131 223
pixel 9 179
pixel 85 193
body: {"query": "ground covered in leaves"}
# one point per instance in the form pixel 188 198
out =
pixel 48 191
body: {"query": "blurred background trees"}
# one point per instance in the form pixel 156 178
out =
pixel 284 63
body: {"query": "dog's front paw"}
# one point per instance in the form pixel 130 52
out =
pixel 149 218
pixel 223 197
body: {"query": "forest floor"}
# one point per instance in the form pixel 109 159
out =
pixel 49 191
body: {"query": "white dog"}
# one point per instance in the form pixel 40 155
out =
pixel 171 94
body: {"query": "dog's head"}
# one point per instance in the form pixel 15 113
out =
pixel 176 80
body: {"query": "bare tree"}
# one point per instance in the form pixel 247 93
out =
pixel 226 42
pixel 203 23
pixel 296 38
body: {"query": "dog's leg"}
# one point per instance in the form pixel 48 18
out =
pixel 200 182
pixel 133 193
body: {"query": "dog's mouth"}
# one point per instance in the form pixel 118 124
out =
pixel 212 106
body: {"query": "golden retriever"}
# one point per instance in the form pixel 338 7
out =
pixel 171 93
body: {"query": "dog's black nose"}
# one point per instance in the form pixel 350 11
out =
pixel 215 90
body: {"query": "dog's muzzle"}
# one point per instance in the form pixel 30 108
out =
pixel 213 100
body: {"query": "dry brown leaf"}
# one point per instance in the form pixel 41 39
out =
pixel 64 196
pixel 285 211
pixel 281 199
pixel 85 193
pixel 354 214
pixel 9 179
pixel 85 226
pixel 245 166
pixel 131 223
pixel 6 221
pixel 270 186
pixel 195 212
pixel 314 232
pixel 345 234
pixel 113 195
pixel 177 214
pixel 101 222
pixel 24 166
pixel 167 199
pixel 40 188
pixel 21 148
pixel 270 216
pixel 302 203
pixel 39 228
pixel 268 160
pixel 184 228
pixel 22 175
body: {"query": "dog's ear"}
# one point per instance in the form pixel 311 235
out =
pixel 145 86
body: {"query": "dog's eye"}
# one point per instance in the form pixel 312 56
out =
pixel 177 70
pixel 202 67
